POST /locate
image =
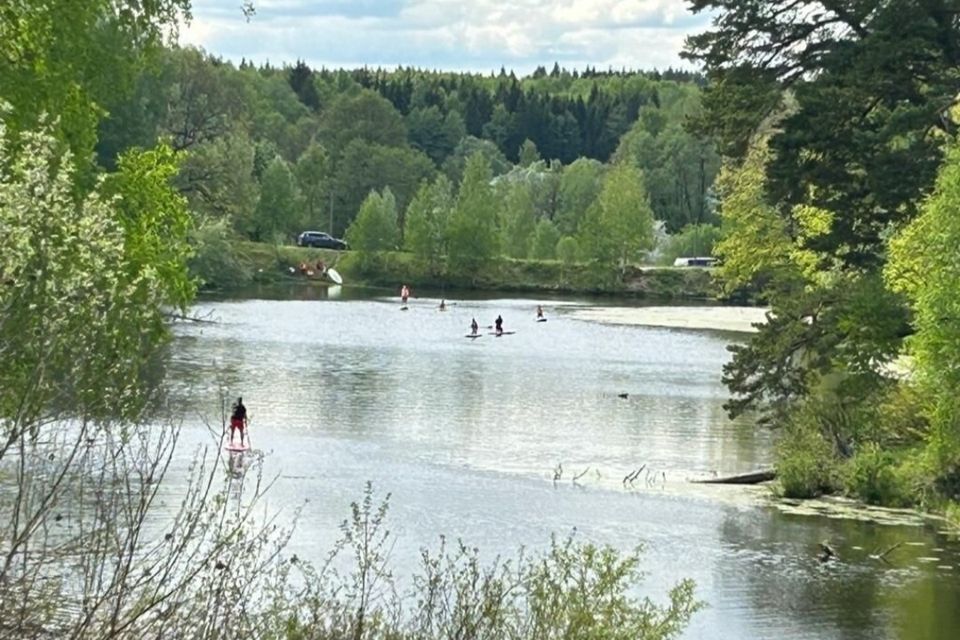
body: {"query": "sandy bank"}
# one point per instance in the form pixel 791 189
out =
pixel 739 319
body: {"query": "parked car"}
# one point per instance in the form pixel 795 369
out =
pixel 695 262
pixel 321 240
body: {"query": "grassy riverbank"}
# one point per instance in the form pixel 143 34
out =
pixel 271 263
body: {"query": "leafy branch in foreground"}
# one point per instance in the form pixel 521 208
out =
pixel 570 590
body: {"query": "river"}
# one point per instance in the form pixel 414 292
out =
pixel 467 436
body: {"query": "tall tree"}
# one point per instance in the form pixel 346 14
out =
pixel 300 77
pixel 868 82
pixel 924 267
pixel 375 230
pixel 217 179
pixel 278 211
pixel 365 117
pixel 579 186
pixel 517 218
pixel 544 240
pixel 433 133
pixel 53 56
pixel 528 153
pixel 472 233
pixel 618 227
pixel 366 167
pixel 313 178
pixel 855 98
pixel 426 221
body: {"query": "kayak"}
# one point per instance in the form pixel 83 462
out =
pixel 334 276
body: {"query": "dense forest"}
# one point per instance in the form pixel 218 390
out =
pixel 269 152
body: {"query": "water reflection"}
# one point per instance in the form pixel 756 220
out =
pixel 466 434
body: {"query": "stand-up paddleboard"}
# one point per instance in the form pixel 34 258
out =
pixel 541 319
pixel 473 335
pixel 334 276
pixel 404 308
pixel 236 447
pixel 503 333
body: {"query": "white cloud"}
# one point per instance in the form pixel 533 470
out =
pixel 450 34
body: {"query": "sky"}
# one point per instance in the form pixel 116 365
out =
pixel 456 35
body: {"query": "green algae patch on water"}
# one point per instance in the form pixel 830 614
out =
pixel 849 509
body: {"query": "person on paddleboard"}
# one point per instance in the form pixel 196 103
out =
pixel 474 327
pixel 404 293
pixel 498 323
pixel 539 312
pixel 443 305
pixel 238 420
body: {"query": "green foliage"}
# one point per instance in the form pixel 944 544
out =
pixel 216 263
pixel 528 153
pixel 871 476
pixel 375 229
pixel 468 147
pixel 472 234
pixel 155 224
pixel 923 266
pixel 313 176
pixel 278 213
pixel 84 282
pixel 517 219
pixel 365 167
pixel 435 134
pixel 364 116
pixel 425 225
pixel 71 60
pixel 570 590
pixel 619 225
pixel 567 250
pixel 866 98
pixel 693 240
pixel 217 179
pixel 543 245
pixel 755 245
pixel 806 462
pixel 679 168
pixel 579 186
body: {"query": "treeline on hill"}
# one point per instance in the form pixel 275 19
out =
pixel 273 151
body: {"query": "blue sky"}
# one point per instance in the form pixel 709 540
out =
pixel 472 35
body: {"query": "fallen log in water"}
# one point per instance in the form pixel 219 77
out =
pixel 753 477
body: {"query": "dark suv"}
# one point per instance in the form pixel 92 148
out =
pixel 321 240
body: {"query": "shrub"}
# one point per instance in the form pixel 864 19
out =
pixel 215 261
pixel 871 475
pixel 806 464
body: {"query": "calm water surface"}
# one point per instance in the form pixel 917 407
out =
pixel 467 434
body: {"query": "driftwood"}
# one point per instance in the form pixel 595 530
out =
pixel 754 477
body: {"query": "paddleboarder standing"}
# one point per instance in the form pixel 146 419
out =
pixel 499 325
pixel 404 293
pixel 473 327
pixel 238 420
